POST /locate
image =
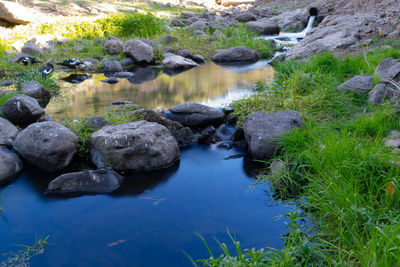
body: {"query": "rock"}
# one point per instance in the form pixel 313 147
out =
pixel 185 53
pixel 177 23
pixel 17 57
pixel 10 165
pixel 62 40
pixel 111 80
pixel 7 132
pixel 183 135
pixel 148 42
pixel 47 145
pixel 377 94
pixel 389 69
pixel 134 146
pixel 31 48
pixel 96 122
pixel 224 133
pixel 175 62
pixel 140 52
pixel 45 117
pixel 92 61
pixel 262 129
pixel 79 48
pixel 187 14
pixel 143 75
pixel 293 20
pixel 111 66
pixel 264 27
pixel 199 33
pixel 227 3
pixel 15 13
pixel 22 110
pixel 35 90
pixel 198 25
pixel 123 74
pixel 207 135
pixel 113 47
pixel 127 62
pixel 98 181
pixel 238 54
pixel 357 84
pixel 393 140
pixel 99 40
pixel 195 115
pixel 167 39
pixel 199 59
pixel 245 17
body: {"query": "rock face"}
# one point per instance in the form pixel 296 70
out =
pixel 358 84
pixel 238 54
pixel 183 135
pixel 47 145
pixel 113 47
pixel 389 69
pixel 294 20
pixel 134 146
pixel 195 115
pixel 35 90
pixel 140 52
pixel 7 132
pixel 10 165
pixel 98 181
pixel 377 94
pixel 175 62
pixel 264 27
pixel 262 129
pixel 22 110
pixel 15 13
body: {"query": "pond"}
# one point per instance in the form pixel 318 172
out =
pixel 154 216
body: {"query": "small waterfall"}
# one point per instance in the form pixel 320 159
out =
pixel 309 24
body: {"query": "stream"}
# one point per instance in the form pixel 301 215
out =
pixel 154 216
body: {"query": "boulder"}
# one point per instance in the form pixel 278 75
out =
pixel 183 135
pixel 207 135
pixel 185 53
pixel 245 17
pixel 175 62
pixel 293 20
pixel 111 66
pixel 140 52
pixel 133 146
pixel 389 69
pixel 10 165
pixel 7 132
pixel 198 25
pixel 199 59
pixel 377 94
pixel 127 62
pixel 35 90
pixel 113 47
pixel 262 130
pixel 31 48
pixel 96 122
pixel 113 38
pixel 187 14
pixel 264 27
pixel 22 110
pixel 47 145
pixel 195 115
pixel 148 42
pixel 167 39
pixel 15 13
pixel 238 54
pixel 93 181
pixel 358 84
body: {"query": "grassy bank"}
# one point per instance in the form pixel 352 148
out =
pixel 337 163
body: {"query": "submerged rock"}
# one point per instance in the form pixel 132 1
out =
pixel 358 84
pixel 238 54
pixel 262 129
pixel 47 145
pixel 93 181
pixel 7 132
pixel 142 75
pixel 22 110
pixel 10 165
pixel 133 146
pixel 195 115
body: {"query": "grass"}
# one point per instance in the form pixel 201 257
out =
pixel 337 163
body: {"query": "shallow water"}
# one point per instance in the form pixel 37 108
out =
pixel 151 219
pixel 154 89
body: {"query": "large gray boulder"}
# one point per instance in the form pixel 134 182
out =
pixel 133 146
pixel 389 69
pixel 7 132
pixel 140 52
pixel 47 145
pixel 238 54
pixel 98 181
pixel 262 130
pixel 22 110
pixel 175 62
pixel 15 13
pixel 358 84
pixel 264 27
pixel 10 165
pixel 183 135
pixel 35 90
pixel 113 47
pixel 195 115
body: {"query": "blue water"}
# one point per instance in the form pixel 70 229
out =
pixel 150 220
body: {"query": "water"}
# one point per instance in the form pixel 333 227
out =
pixel 157 90
pixel 151 219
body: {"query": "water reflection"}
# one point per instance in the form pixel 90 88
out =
pixel 153 89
